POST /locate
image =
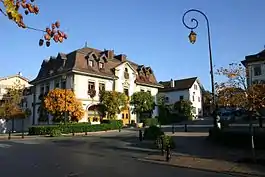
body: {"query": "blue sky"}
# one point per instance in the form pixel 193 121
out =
pixel 149 32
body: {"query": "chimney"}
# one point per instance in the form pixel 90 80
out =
pixel 110 54
pixel 19 73
pixel 172 83
pixel 121 57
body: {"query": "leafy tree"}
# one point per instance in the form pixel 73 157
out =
pixel 58 101
pixel 235 92
pixel 112 103
pixel 184 108
pixel 142 102
pixel 207 101
pixel 16 10
pixel 10 107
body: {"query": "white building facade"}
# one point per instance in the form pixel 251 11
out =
pixel 13 81
pixel 88 68
pixel 184 89
pixel 255 68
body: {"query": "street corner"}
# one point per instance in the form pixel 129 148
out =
pixel 211 165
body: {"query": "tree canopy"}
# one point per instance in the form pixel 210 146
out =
pixel 234 91
pixel 11 107
pixel 142 102
pixel 16 10
pixel 113 103
pixel 58 101
pixel 184 108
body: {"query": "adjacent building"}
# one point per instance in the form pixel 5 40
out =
pixel 18 81
pixel 85 69
pixel 255 68
pixel 184 89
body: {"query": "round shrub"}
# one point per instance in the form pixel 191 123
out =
pixel 152 133
pixel 55 133
pixel 166 141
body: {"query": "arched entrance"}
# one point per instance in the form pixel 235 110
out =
pixel 93 114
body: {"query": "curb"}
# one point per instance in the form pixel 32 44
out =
pixel 4 138
pixel 218 171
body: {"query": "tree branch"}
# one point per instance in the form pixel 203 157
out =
pixel 3 12
pixel 35 29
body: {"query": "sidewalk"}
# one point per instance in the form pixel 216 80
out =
pixel 194 151
pixel 211 165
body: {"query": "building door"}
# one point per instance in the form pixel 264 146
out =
pixel 125 114
pixel 125 117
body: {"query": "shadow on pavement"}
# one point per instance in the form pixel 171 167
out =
pixel 238 174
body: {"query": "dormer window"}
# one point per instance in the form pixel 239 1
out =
pixel 101 65
pixel 126 74
pixel 91 63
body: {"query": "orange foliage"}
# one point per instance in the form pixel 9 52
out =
pixel 13 10
pixel 56 105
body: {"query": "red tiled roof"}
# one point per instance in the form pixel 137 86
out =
pixel 78 61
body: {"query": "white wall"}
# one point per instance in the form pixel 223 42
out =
pixel 251 72
pixel 174 96
pixel 196 98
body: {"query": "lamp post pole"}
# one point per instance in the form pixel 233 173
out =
pixel 64 77
pixel 192 38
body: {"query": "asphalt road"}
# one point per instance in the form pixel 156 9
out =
pixel 94 156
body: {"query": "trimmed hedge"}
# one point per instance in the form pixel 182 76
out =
pixel 74 128
pixel 237 139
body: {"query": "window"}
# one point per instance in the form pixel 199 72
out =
pixel 42 89
pixel 193 98
pixel 91 85
pixel 126 70
pixel 199 99
pixel 56 83
pixel 47 87
pixel 195 87
pixel 91 63
pixel 181 97
pixel 122 115
pixel 126 92
pixel 127 116
pixel 149 91
pixel 193 110
pixel 142 90
pixel 257 70
pixel 101 87
pixel 101 65
pixel 63 84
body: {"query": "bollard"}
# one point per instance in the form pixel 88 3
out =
pixel 86 133
pixel 168 154
pixel 173 129
pixel 9 135
pixel 140 135
pixel 119 129
pixel 22 134
pixel 185 128
pixel 162 146
pixel 73 133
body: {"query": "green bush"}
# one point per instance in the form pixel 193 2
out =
pixel 152 133
pixel 237 138
pixel 151 121
pixel 55 133
pixel 74 128
pixel 166 140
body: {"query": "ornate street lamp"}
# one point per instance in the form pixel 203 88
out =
pixel 192 38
